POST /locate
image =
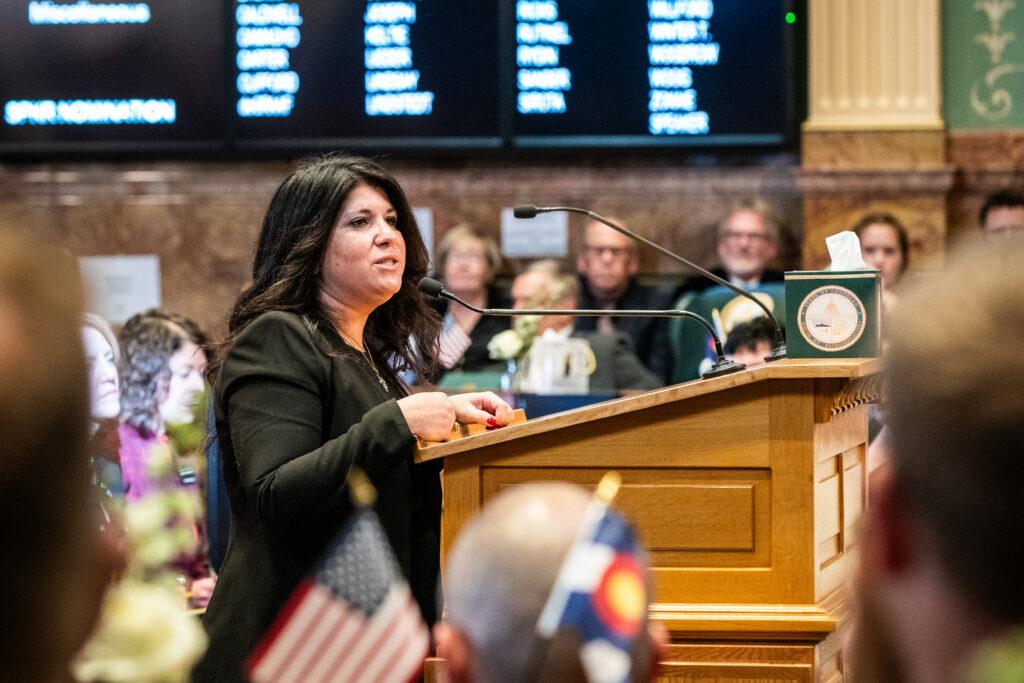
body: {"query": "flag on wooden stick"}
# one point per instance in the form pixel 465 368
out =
pixel 600 591
pixel 354 619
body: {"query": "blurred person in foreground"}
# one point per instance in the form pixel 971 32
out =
pixel 467 262
pixel 58 564
pixel 617 368
pixel 498 577
pixel 307 385
pixel 607 266
pixel 942 553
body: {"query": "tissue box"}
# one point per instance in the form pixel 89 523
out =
pixel 833 313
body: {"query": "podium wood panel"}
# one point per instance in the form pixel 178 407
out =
pixel 745 489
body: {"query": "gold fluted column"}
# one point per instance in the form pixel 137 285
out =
pixel 874 138
pixel 874 65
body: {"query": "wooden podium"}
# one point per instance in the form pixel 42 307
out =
pixel 745 490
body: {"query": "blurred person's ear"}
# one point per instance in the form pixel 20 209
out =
pixel 453 648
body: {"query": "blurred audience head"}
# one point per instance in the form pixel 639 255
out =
pixel 608 261
pixel 57 568
pixel 1002 214
pixel 749 342
pixel 162 374
pixel 497 579
pixel 467 260
pixel 748 240
pixel 102 356
pixel 943 550
pixel 884 245
pixel 543 284
pixel 191 327
pixel 187 365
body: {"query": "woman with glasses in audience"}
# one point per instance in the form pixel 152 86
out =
pixel 467 262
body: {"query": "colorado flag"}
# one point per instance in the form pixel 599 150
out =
pixel 601 593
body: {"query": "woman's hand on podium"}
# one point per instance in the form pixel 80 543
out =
pixel 484 407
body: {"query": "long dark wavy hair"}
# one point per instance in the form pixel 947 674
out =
pixel 147 345
pixel 286 269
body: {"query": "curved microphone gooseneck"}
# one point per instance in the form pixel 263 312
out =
pixel 778 352
pixel 722 366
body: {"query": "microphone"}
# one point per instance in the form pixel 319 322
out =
pixel 429 285
pixel 722 366
pixel 778 352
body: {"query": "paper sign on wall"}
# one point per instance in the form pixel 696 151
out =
pixel 547 235
pixel 118 287
pixel 425 220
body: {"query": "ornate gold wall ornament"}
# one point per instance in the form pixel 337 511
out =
pixel 988 98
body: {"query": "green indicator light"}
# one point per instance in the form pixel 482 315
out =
pixel 790 17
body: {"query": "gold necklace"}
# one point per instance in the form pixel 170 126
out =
pixel 367 357
pixel 373 366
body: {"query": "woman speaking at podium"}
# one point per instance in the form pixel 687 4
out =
pixel 307 386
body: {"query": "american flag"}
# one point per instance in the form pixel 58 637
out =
pixel 452 344
pixel 353 620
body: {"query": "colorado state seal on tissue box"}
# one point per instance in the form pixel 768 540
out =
pixel 833 314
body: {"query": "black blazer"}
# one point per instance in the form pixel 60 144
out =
pixel 291 420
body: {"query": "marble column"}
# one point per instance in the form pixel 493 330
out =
pixel 874 138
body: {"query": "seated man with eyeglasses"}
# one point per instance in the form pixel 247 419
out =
pixel 607 266
pixel 748 241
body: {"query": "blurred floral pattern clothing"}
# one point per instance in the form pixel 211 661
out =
pixel 141 455
pixel 148 466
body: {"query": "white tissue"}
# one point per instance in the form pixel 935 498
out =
pixel 844 249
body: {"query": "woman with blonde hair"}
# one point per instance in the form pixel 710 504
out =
pixel 467 261
pixel 103 357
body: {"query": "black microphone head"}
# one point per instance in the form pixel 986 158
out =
pixel 524 211
pixel 429 285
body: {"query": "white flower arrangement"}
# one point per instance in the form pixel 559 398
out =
pixel 505 345
pixel 146 632
pixel 515 342
pixel 145 635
